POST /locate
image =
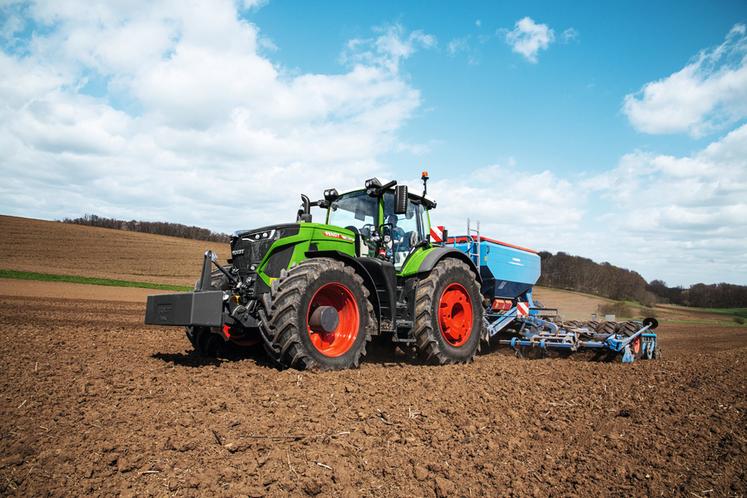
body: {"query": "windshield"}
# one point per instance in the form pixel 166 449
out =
pixel 355 211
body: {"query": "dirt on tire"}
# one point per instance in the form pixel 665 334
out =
pixel 94 402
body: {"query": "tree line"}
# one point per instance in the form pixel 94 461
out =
pixel 721 295
pixel 564 271
pixel 153 227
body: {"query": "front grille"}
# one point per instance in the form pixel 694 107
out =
pixel 246 252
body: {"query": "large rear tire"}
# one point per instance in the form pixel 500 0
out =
pixel 287 324
pixel 448 314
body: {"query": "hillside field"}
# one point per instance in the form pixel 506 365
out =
pixel 59 248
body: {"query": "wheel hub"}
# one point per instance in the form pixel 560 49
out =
pixel 324 319
pixel 333 319
pixel 455 314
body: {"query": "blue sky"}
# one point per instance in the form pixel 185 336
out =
pixel 611 130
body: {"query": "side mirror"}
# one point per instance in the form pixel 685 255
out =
pixel 400 199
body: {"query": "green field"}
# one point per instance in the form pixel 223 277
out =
pixel 741 312
pixel 76 279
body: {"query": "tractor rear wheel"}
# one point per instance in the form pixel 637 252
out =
pixel 318 315
pixel 448 314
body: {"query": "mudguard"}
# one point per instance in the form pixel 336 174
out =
pixel 438 253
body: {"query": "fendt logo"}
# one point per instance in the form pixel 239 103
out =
pixel 237 252
pixel 336 235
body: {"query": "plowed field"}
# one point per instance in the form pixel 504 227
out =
pixel 93 402
pixel 58 248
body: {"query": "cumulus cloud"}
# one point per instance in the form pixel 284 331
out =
pixel 706 95
pixel 389 48
pixel 680 218
pixel 685 215
pixel 528 38
pixel 457 45
pixel 523 207
pixel 163 110
pixel 569 35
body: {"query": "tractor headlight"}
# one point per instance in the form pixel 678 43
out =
pixel 267 234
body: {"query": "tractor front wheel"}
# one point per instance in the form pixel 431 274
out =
pixel 318 316
pixel 205 342
pixel 448 314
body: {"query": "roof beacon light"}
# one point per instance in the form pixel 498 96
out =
pixel 424 176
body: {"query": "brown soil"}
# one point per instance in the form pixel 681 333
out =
pixel 93 402
pixel 59 248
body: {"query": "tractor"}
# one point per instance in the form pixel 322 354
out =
pixel 314 294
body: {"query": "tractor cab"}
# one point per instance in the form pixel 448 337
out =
pixel 390 222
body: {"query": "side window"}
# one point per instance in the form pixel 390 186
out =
pixel 425 227
pixel 407 229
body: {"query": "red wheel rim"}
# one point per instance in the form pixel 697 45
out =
pixel 636 345
pixel 455 315
pixel 339 341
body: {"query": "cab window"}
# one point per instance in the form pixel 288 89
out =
pixel 407 229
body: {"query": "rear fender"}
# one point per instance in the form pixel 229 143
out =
pixel 429 258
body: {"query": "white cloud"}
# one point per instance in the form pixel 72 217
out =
pixel 535 209
pixel 706 95
pixel 253 4
pixel 569 35
pixel 679 218
pixel 195 125
pixel 686 216
pixel 389 48
pixel 457 45
pixel 528 38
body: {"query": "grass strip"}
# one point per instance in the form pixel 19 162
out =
pixel 741 312
pixel 76 279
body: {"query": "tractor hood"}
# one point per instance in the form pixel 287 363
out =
pixel 270 249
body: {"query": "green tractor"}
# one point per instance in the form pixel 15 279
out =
pixel 314 294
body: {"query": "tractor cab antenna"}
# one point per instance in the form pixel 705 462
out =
pixel 424 176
